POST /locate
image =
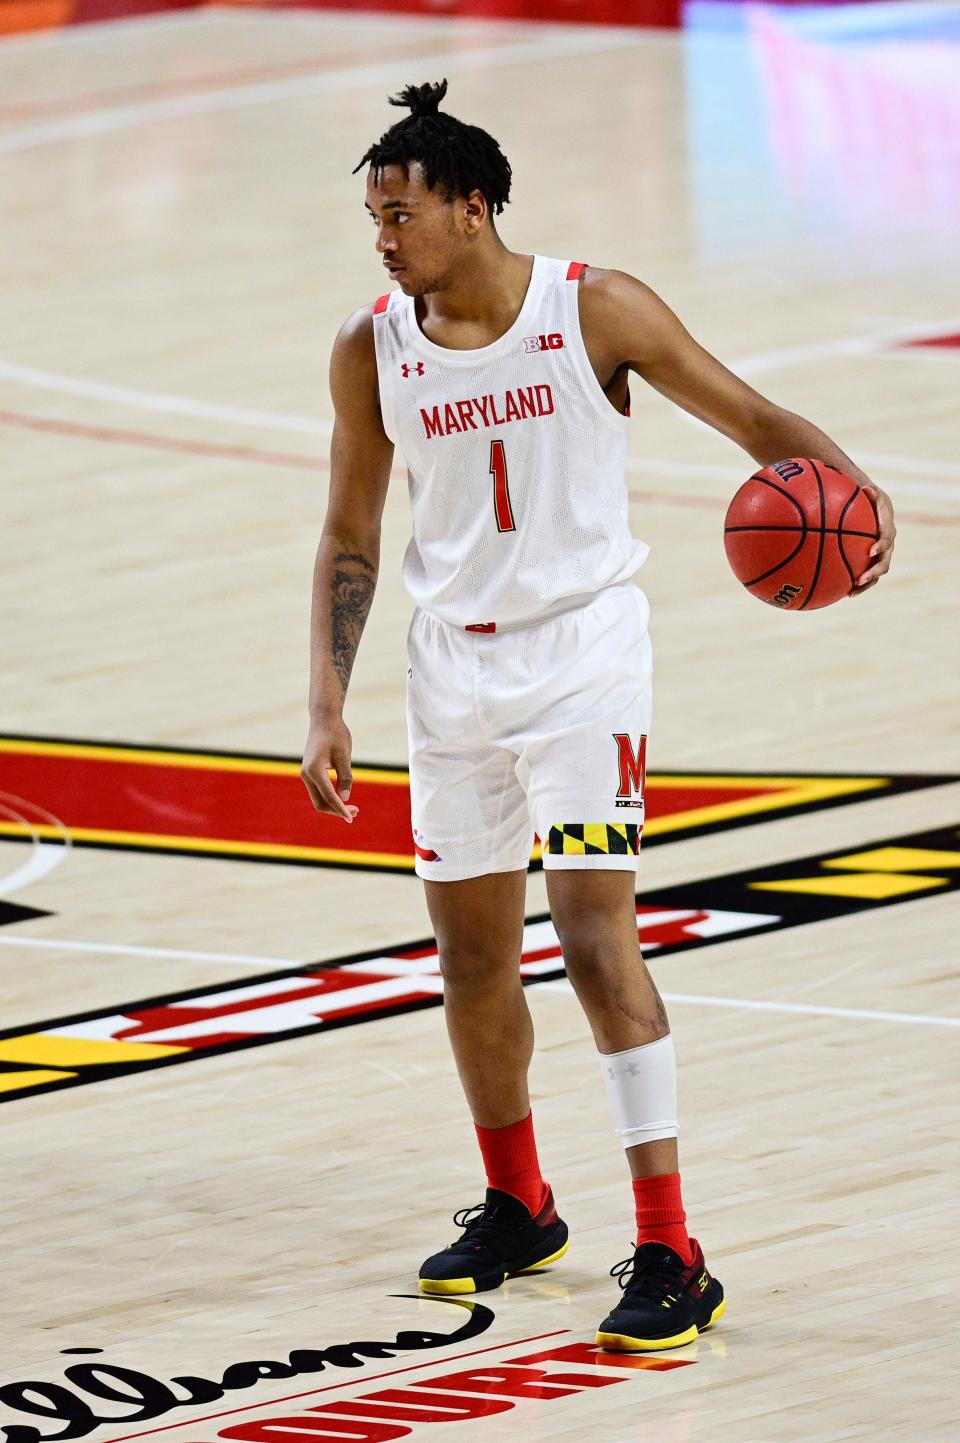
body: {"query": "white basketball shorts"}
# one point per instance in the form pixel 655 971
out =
pixel 538 729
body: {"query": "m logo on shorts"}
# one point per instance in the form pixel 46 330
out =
pixel 633 765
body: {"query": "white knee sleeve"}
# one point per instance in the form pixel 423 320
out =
pixel 642 1083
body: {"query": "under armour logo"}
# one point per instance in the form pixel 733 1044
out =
pixel 626 1069
pixel 416 370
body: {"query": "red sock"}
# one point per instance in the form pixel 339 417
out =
pixel 510 1158
pixel 660 1214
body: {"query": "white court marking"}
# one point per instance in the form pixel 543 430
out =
pixel 44 857
pixel 37 378
pixel 558 43
pixel 801 1008
pixel 879 345
pixel 560 985
pixel 242 959
pixel 41 380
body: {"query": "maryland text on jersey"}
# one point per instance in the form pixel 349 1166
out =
pixel 525 403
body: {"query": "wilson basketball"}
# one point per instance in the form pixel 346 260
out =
pixel 798 534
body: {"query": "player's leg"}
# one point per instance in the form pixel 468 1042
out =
pixel 595 916
pixel 478 925
pixel 669 1295
pixel 473 838
pixel 584 775
pixel 479 928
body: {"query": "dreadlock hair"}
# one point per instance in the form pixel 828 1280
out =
pixel 454 157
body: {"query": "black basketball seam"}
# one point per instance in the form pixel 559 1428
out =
pixel 830 530
pixel 823 521
pixel 785 562
pixel 764 481
pixel 843 555
pixel 783 492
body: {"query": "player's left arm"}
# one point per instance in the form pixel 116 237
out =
pixel 627 324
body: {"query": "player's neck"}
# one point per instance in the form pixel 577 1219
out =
pixel 486 292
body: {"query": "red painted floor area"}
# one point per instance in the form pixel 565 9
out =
pixel 22 15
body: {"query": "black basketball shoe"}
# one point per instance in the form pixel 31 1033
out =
pixel 500 1238
pixel 666 1302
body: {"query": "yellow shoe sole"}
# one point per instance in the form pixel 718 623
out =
pixel 467 1285
pixel 622 1343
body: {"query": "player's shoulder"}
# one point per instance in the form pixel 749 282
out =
pixel 617 310
pixel 357 329
pixel 605 289
pixel 355 345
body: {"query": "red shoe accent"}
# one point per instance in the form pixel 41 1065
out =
pixel 548 1214
pixel 660 1214
pixel 510 1158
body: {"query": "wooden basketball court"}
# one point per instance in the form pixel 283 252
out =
pixel 182 237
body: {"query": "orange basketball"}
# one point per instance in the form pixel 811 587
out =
pixel 798 534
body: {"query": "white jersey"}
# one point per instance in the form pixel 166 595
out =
pixel 516 461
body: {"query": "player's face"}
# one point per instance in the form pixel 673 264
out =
pixel 417 233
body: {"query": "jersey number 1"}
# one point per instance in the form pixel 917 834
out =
pixel 501 491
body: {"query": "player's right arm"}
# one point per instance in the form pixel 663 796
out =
pixel 348 559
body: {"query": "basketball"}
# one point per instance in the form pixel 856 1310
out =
pixel 798 534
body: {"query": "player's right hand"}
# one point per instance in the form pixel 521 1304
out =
pixel 328 749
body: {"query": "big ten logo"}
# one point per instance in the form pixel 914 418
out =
pixel 786 595
pixel 787 470
pixel 553 342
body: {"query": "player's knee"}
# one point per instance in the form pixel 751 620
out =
pixel 589 952
pixel 477 963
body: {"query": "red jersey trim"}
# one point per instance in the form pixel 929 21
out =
pixel 576 270
pixel 380 305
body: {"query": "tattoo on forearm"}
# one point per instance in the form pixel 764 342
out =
pixel 355 556
pixel 351 598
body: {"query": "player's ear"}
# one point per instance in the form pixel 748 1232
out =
pixel 473 210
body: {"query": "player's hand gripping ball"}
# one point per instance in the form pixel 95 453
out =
pixel 798 534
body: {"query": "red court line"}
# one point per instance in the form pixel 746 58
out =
pixel 346 1382
pixel 710 503
pixel 124 95
pixel 160 443
pixel 255 454
pixel 654 13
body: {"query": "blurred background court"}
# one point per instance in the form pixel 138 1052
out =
pixel 181 238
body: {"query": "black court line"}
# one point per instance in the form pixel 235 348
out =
pixel 737 902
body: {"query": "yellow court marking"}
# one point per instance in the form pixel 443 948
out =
pixel 205 844
pixel 897 859
pixel 793 792
pixel 872 886
pixel 61 1050
pixel 205 760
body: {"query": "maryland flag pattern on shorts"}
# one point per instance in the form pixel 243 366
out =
pixel 593 839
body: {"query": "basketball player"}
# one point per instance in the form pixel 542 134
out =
pixel 503 379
